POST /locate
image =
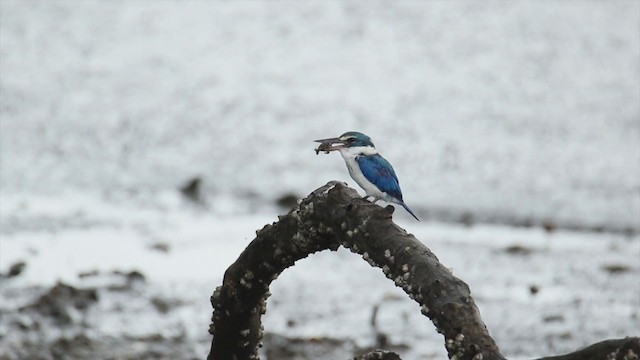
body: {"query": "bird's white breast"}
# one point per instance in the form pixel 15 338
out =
pixel 349 155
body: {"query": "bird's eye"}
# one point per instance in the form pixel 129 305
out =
pixel 351 140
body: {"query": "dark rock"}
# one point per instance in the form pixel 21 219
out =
pixel 565 335
pixel 16 269
pixel 86 274
pixel 518 250
pixel 131 276
pixel 553 318
pixel 78 347
pixel 25 323
pixel 616 268
pixel 534 289
pixel 192 190
pixel 60 299
pixel 132 279
pixel 549 226
pixel 164 305
pixel 162 247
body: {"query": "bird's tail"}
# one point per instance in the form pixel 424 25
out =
pixel 409 210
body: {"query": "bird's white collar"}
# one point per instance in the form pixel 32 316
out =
pixel 357 150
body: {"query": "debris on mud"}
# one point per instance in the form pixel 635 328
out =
pixel 62 302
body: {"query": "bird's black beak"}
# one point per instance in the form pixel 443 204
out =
pixel 330 144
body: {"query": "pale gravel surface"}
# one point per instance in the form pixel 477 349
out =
pixel 326 295
pixel 508 112
pixel 501 109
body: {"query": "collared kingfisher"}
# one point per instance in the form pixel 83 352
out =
pixel 369 169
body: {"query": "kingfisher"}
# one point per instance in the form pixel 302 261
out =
pixel 370 170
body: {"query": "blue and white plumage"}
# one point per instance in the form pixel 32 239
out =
pixel 369 169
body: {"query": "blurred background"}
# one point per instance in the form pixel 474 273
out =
pixel 142 144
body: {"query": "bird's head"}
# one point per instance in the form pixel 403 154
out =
pixel 348 140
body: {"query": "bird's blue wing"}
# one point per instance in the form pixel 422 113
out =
pixel 378 170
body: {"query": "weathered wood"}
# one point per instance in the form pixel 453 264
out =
pixel 618 349
pixel 333 216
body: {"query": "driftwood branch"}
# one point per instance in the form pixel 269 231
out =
pixel 619 349
pixel 333 216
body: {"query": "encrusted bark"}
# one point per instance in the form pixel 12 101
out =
pixel 333 216
pixel 618 349
pixel 378 355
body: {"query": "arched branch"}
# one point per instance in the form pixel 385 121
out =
pixel 333 216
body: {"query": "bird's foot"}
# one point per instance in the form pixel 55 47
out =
pixel 371 198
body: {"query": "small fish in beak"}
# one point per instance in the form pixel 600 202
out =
pixel 327 145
